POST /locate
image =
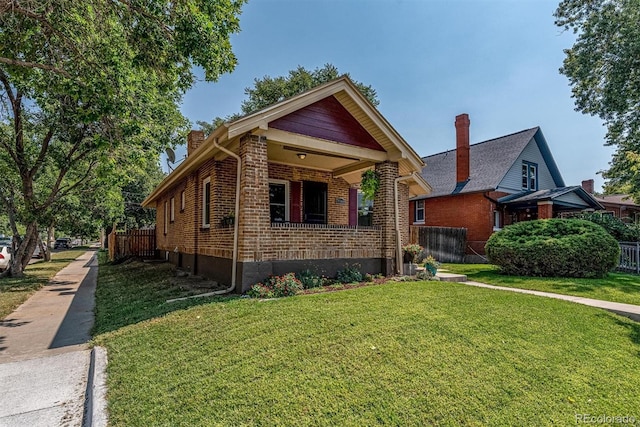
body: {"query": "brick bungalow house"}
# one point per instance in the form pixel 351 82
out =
pixel 484 186
pixel 277 192
pixel 618 205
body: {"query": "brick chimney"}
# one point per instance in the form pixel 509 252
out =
pixel 587 185
pixel 194 139
pixel 462 147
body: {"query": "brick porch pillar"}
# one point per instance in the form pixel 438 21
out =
pixel 384 214
pixel 254 217
pixel 545 209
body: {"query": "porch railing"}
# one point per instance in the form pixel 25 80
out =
pixel 629 257
pixel 322 226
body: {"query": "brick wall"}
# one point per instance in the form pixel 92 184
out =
pixel 311 241
pixel 471 211
pixel 258 239
pixel 254 217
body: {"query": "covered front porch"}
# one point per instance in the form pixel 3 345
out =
pixel 300 167
pixel 545 204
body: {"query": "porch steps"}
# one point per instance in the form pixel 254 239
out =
pixel 450 277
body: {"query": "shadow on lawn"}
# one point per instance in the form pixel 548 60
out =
pixel 136 291
pixel 634 331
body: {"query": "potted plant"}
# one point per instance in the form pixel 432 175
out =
pixel 411 256
pixel 228 220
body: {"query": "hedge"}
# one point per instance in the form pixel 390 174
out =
pixel 554 248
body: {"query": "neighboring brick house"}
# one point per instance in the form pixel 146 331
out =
pixel 619 205
pixel 290 202
pixel 484 186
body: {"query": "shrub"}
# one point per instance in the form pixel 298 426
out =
pixel 309 279
pixel 412 252
pixel 276 287
pixel 350 274
pixel 619 230
pixel 553 247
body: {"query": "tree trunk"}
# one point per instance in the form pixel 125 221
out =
pixel 44 250
pixel 22 254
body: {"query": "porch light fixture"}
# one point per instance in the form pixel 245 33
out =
pixel 302 156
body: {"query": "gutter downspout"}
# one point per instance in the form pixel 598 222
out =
pixel 234 257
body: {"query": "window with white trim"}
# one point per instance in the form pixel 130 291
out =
pixel 419 212
pixel 172 209
pixel 497 221
pixel 279 200
pixel 206 203
pixel 182 201
pixel 529 176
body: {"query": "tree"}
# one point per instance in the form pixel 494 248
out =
pixel 87 85
pixel 603 68
pixel 268 91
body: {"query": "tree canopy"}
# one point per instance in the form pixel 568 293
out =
pixel 603 67
pixel 270 90
pixel 87 87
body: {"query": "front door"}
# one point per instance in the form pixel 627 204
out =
pixel 314 200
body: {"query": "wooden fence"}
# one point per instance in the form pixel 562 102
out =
pixel 629 257
pixel 138 243
pixel 445 244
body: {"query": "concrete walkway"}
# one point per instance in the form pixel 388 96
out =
pixel 44 356
pixel 628 310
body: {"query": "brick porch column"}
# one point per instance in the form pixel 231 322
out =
pixel 254 217
pixel 384 214
pixel 545 209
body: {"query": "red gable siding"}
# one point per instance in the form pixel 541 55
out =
pixel 327 119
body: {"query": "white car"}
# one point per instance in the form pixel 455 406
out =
pixel 5 257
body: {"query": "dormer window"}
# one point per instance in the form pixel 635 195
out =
pixel 529 176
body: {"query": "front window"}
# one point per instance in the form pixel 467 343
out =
pixel 279 200
pixel 182 201
pixel 206 203
pixel 172 210
pixel 529 176
pixel 419 212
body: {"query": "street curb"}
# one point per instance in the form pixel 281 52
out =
pixel 95 406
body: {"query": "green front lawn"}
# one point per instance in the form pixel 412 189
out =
pixel 401 353
pixel 15 291
pixel 617 287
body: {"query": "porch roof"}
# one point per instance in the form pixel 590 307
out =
pixel 574 197
pixel 314 150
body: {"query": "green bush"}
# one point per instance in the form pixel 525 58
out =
pixel 554 248
pixel 350 274
pixel 309 279
pixel 619 230
pixel 276 287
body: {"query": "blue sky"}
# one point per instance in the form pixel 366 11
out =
pixel 428 60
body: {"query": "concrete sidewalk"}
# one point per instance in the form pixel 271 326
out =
pixel 44 356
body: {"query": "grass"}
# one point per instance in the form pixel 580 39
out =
pixel 616 287
pixel 131 292
pixel 15 291
pixel 402 353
